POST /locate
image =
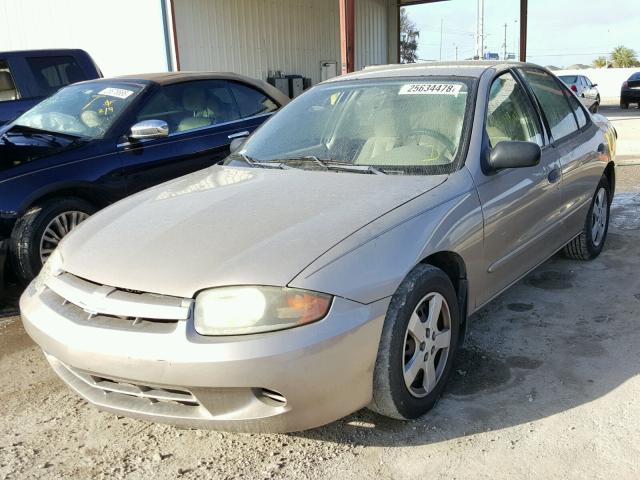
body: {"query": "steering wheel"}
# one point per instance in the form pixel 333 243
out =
pixel 440 138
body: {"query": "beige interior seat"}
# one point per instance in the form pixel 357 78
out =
pixel 7 88
pixel 385 137
pixel 194 103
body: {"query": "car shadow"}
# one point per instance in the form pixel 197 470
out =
pixel 562 337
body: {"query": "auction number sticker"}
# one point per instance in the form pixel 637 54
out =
pixel 116 92
pixel 431 89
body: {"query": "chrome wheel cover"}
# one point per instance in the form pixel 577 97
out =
pixel 599 217
pixel 57 229
pixel 427 343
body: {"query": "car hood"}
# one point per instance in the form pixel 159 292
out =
pixel 230 226
pixel 19 150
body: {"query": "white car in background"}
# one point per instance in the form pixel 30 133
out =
pixel 584 89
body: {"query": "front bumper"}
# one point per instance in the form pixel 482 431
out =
pixel 166 372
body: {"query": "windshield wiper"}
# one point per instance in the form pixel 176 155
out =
pixel 257 164
pixel 334 165
pixel 39 131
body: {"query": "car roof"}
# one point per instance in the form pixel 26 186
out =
pixel 467 68
pixel 168 78
pixel 43 52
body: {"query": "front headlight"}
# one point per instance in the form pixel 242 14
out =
pixel 243 310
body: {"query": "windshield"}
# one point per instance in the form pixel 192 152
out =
pixel 86 110
pixel 412 126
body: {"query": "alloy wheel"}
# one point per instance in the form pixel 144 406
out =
pixel 599 217
pixel 427 344
pixel 57 229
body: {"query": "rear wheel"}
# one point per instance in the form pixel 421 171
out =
pixel 624 105
pixel 589 244
pixel 39 231
pixel 417 346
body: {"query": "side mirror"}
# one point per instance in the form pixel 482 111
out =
pixel 514 155
pixel 237 143
pixel 149 129
pixel 594 85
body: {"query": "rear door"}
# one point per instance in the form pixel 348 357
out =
pixel 203 116
pixel 579 142
pixel 521 206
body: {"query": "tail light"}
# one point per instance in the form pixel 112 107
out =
pixel 574 88
pixel 625 85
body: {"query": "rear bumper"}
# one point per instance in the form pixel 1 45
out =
pixel 168 373
pixel 630 96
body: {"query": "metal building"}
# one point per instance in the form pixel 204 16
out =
pixel 313 38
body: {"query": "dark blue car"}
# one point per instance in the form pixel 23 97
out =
pixel 29 76
pixel 95 142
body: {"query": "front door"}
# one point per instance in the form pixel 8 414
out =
pixel 521 206
pixel 203 117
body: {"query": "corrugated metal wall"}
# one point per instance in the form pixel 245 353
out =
pixel 253 37
pixel 371 33
pixel 122 36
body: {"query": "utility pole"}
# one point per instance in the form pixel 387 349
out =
pixel 480 31
pixel 441 35
pixel 504 45
pixel 456 52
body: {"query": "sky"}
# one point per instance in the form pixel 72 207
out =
pixel 561 32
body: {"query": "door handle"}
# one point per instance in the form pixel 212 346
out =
pixel 554 175
pixel 246 133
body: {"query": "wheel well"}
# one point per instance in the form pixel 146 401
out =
pixel 453 265
pixel 89 195
pixel 610 173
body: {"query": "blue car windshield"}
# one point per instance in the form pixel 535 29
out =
pixel 86 110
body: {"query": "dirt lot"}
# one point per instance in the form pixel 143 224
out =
pixel 547 387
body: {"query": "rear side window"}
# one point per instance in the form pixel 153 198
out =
pixel 53 73
pixel 554 102
pixel 510 116
pixel 251 101
pixel 578 110
pixel 8 91
pixel 635 77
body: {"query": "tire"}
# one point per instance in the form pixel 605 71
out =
pixel 27 246
pixel 586 246
pixel 424 287
pixel 624 105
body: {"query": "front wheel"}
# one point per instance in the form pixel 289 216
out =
pixel 39 231
pixel 417 346
pixel 589 244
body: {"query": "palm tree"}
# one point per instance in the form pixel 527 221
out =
pixel 623 57
pixel 600 62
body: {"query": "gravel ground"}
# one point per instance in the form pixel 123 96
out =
pixel 546 387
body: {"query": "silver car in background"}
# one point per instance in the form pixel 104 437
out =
pixel 585 90
pixel 332 263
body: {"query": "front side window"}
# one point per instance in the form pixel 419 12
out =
pixel 510 115
pixel 53 73
pixel 8 90
pixel 407 126
pixel 553 101
pixel 192 105
pixel 85 110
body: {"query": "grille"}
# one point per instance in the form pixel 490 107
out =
pixel 83 297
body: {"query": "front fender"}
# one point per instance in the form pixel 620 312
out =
pixel 371 264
